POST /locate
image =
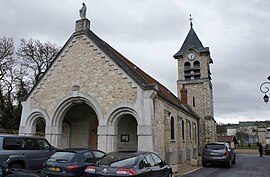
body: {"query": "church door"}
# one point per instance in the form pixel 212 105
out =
pixel 93 134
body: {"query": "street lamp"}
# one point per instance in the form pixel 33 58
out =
pixel 264 89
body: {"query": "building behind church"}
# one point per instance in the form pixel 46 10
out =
pixel 92 96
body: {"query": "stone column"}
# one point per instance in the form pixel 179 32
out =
pixel 145 138
pixel 53 134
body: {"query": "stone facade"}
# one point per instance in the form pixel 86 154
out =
pixel 183 145
pixel 91 96
pixel 194 75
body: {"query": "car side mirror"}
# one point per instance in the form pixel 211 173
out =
pixel 162 163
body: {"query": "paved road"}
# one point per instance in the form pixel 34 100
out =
pixel 247 165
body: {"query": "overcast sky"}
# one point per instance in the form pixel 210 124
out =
pixel 150 32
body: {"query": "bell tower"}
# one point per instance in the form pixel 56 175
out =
pixel 194 75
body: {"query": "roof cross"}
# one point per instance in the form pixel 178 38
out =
pixel 190 19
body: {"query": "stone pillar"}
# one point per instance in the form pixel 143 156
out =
pixel 107 138
pixel 53 134
pixel 145 138
pixel 262 135
pixel 82 24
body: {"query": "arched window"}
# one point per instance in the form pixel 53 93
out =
pixel 197 70
pixel 187 71
pixel 190 131
pixel 194 131
pixel 183 129
pixel 196 64
pixel 172 128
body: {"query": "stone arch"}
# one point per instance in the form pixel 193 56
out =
pixel 66 102
pixel 124 122
pixel 62 109
pixel 34 117
pixel 119 111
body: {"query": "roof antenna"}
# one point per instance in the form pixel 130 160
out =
pixel 190 19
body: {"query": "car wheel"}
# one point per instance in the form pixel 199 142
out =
pixel 16 165
pixel 229 163
pixel 234 160
pixel 204 164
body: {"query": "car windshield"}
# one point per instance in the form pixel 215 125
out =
pixel 215 146
pixel 118 160
pixel 62 156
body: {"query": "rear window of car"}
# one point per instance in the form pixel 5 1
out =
pixel 118 160
pixel 12 144
pixel 62 156
pixel 215 146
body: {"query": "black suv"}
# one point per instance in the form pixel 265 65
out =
pixel 24 151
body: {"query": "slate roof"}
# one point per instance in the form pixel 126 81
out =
pixel 191 42
pixel 145 81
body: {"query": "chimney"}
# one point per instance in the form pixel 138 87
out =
pixel 183 94
pixel 82 25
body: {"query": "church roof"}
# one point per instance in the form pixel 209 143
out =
pixel 191 42
pixel 145 81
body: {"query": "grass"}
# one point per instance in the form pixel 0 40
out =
pixel 245 146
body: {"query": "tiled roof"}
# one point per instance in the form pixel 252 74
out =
pixel 142 78
pixel 226 139
pixel 145 81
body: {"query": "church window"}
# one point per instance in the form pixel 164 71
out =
pixel 194 131
pixel 193 102
pixel 197 70
pixel 190 131
pixel 172 128
pixel 187 71
pixel 183 130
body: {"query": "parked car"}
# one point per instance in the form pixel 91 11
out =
pixel 219 153
pixel 24 151
pixel 71 162
pixel 5 172
pixel 139 164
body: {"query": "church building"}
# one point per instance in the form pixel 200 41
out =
pixel 92 96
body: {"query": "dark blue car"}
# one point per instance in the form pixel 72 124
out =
pixel 71 162
pixel 139 164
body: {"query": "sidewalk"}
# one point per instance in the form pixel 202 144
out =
pixel 186 168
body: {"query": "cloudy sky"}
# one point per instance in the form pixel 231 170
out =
pixel 150 32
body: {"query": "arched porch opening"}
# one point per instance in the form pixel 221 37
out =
pixel 40 125
pixel 127 138
pixel 79 127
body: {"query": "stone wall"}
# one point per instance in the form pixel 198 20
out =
pixel 177 150
pixel 83 64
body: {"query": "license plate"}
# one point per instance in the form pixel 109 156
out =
pixel 54 169
pixel 213 153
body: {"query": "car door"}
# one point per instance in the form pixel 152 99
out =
pixel 45 150
pixel 32 153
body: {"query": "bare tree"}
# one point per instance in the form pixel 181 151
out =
pixel 242 135
pixel 6 55
pixel 36 57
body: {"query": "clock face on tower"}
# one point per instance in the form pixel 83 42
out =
pixel 191 56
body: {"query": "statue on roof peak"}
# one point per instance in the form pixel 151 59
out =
pixel 83 11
